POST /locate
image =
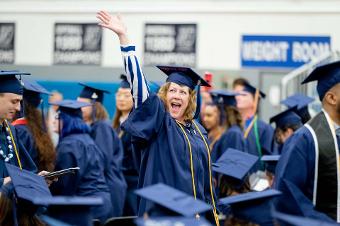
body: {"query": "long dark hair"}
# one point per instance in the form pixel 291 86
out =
pixel 42 140
pixel 72 124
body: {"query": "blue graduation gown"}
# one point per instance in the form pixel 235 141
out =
pixel 27 140
pixel 231 138
pixel 165 153
pixel 111 148
pixel 266 139
pixel 79 150
pixel 131 164
pixel 297 165
pixel 25 159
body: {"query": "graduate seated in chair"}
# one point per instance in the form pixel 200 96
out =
pixel 287 122
pixel 233 170
pixel 174 147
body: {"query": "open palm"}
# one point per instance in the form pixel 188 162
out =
pixel 114 23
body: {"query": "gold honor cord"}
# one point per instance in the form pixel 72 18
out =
pixel 192 169
pixel 14 145
pixel 191 161
pixel 257 95
pixel 210 176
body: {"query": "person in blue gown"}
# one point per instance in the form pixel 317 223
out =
pixel 308 170
pixel 301 103
pixel 131 158
pixel 31 128
pixel 251 208
pixel 108 141
pixel 174 147
pixel 213 122
pixel 258 134
pixel 76 148
pixel 287 122
pixel 232 137
pixel 11 149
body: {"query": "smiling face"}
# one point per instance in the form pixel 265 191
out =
pixel 9 105
pixel 177 99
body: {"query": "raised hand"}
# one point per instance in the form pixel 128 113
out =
pixel 115 24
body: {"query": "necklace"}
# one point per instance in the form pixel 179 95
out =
pixel 10 147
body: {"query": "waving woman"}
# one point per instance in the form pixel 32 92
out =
pixel 174 147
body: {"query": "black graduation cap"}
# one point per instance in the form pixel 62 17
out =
pixel 270 162
pixel 32 189
pixel 235 164
pixel 9 83
pixel 286 117
pixel 27 185
pixel 33 91
pixel 327 75
pixel 92 92
pixel 252 206
pixel 251 89
pixel 173 199
pixel 71 107
pixel 297 100
pixel 224 97
pixel 124 83
pixel 185 76
pixel 75 210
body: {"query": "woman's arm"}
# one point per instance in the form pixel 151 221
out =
pixel 139 87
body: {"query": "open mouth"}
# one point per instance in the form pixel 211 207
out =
pixel 175 106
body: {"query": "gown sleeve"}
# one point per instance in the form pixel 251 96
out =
pixel 67 184
pixel 139 86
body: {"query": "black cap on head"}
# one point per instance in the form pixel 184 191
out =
pixel 327 75
pixel 124 83
pixel 92 92
pixel 224 97
pixel 251 89
pixel 71 107
pixel 287 117
pixel 9 83
pixel 33 91
pixel 183 76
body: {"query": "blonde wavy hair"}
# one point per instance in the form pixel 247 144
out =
pixel 189 111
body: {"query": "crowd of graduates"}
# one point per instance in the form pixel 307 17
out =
pixel 175 156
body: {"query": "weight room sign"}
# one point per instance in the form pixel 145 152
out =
pixel 282 51
pixel 7 32
pixel 77 44
pixel 170 44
